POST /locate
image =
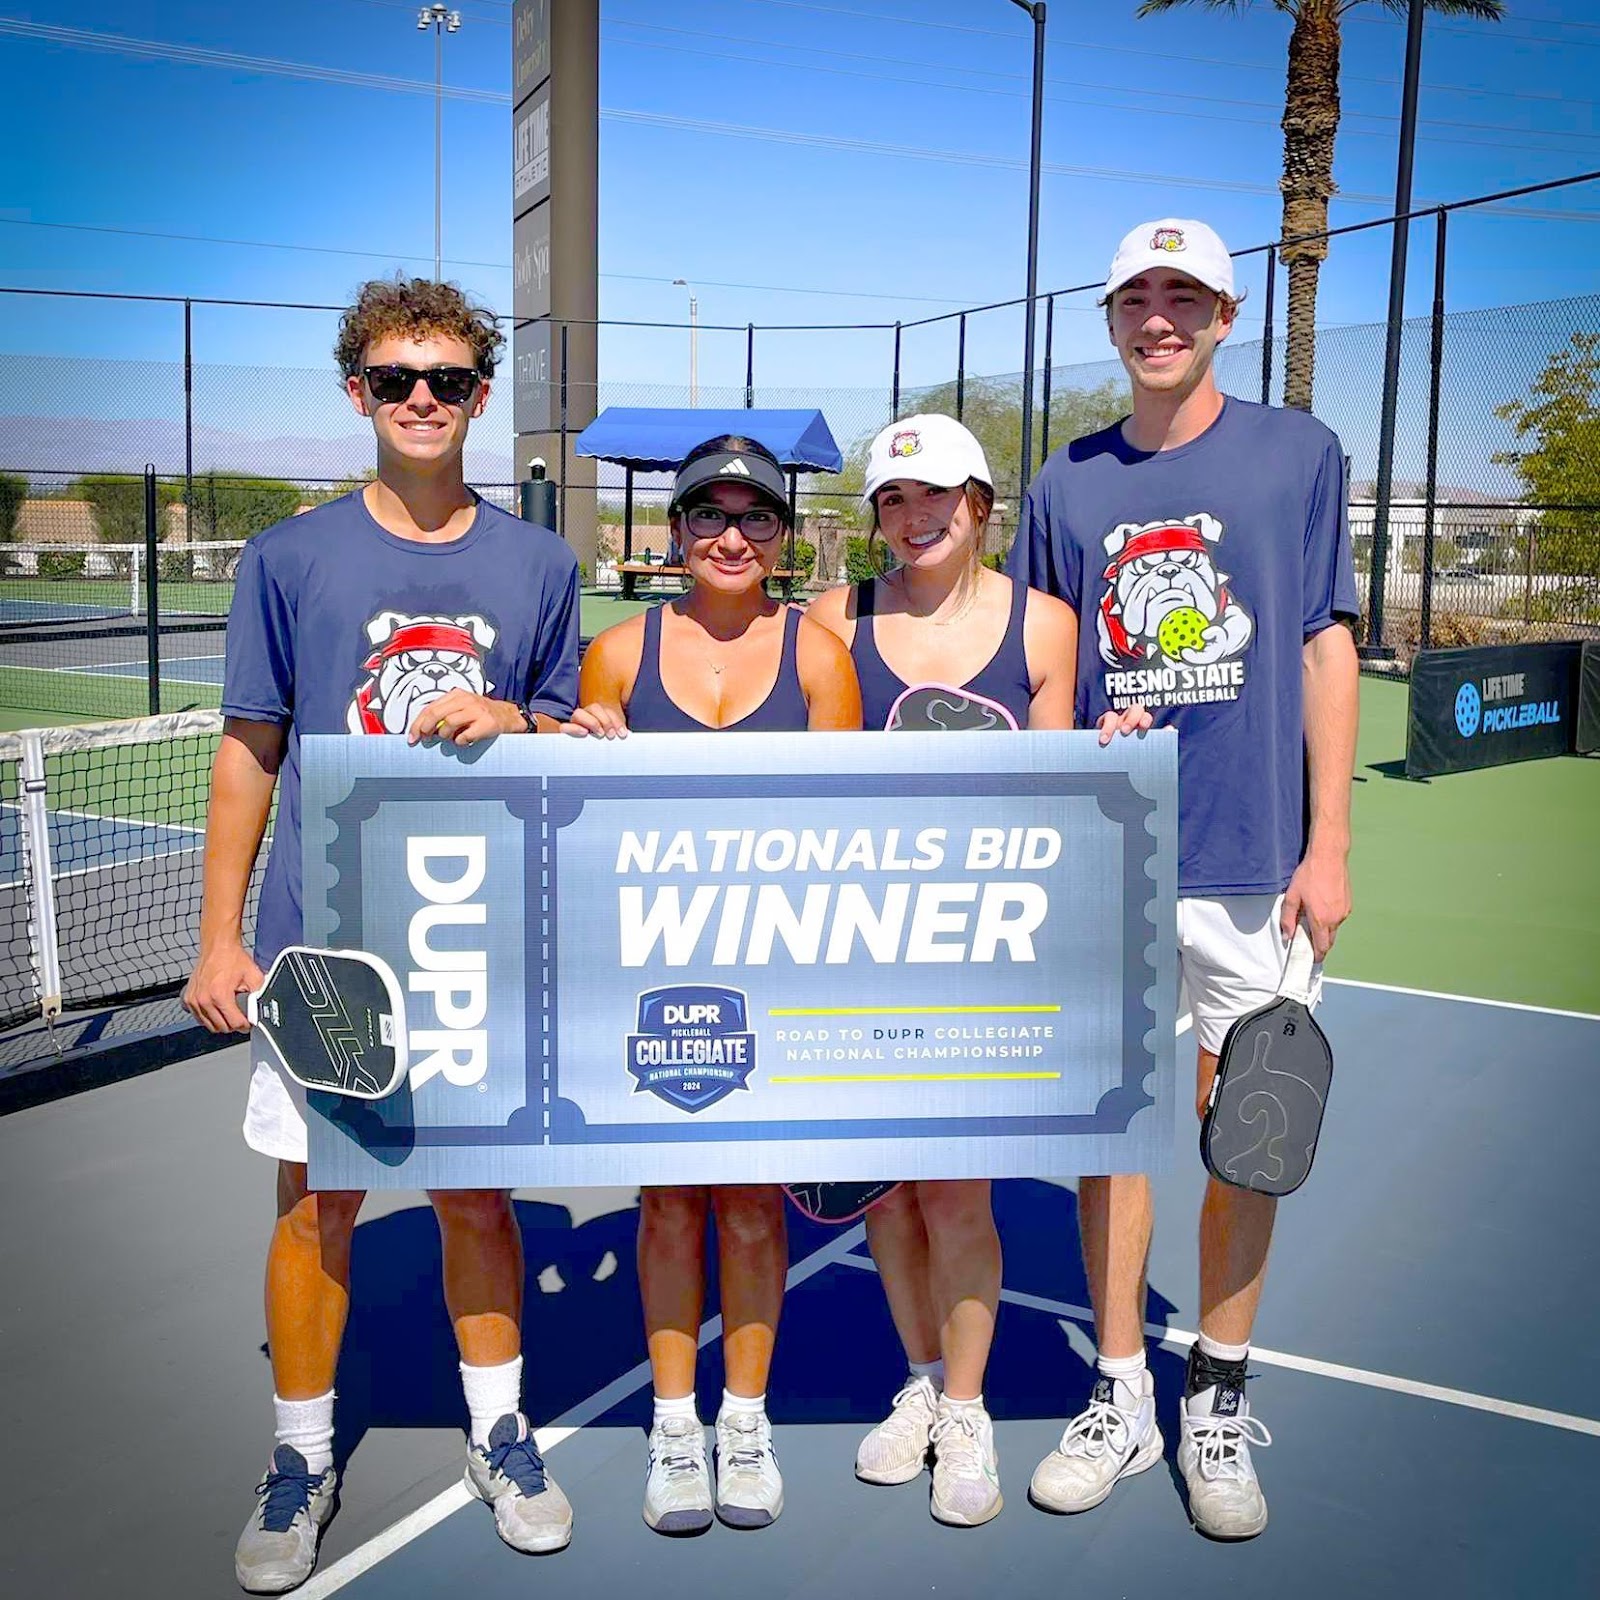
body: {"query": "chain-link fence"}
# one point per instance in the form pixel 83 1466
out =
pixel 1486 528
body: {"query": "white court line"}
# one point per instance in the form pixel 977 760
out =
pixel 1181 1339
pixel 1463 999
pixel 399 1534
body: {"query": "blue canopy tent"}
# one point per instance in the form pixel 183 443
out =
pixel 657 438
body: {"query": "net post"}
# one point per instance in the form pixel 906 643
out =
pixel 41 892
pixel 152 612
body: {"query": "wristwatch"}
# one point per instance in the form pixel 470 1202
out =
pixel 529 721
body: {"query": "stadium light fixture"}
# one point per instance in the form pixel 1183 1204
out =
pixel 442 20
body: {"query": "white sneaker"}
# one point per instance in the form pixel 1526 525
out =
pixel 966 1475
pixel 896 1451
pixel 1101 1445
pixel 1225 1500
pixel 677 1489
pixel 278 1547
pixel 749 1485
pixel 530 1512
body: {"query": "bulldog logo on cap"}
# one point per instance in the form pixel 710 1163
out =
pixel 1169 239
pixel 906 443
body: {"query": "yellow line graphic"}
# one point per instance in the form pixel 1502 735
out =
pixel 917 1077
pixel 897 1011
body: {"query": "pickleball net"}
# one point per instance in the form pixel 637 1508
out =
pixel 44 584
pixel 102 832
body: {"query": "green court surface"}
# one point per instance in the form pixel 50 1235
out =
pixel 1481 883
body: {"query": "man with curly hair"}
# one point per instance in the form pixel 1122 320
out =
pixel 411 607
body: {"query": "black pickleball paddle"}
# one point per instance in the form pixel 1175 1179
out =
pixel 337 1020
pixel 1273 1074
pixel 837 1202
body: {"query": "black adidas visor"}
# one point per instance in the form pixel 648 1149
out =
pixel 753 471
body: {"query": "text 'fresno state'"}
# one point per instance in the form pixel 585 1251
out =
pixel 897 918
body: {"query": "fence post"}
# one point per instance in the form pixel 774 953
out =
pixel 1431 491
pixel 188 420
pixel 562 530
pixel 961 365
pixel 749 366
pixel 152 597
pixel 894 393
pixel 1266 336
pixel 1049 345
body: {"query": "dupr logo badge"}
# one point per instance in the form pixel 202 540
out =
pixel 693 1046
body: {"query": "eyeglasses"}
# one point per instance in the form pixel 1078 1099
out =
pixel 450 386
pixel 758 525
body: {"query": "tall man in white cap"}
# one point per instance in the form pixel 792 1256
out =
pixel 1206 537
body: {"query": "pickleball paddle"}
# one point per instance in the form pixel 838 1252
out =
pixel 337 1020
pixel 836 1202
pixel 1273 1074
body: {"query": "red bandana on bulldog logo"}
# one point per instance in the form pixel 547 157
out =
pixel 1153 541
pixel 413 636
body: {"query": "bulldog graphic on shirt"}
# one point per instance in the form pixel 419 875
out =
pixel 1168 625
pixel 413 660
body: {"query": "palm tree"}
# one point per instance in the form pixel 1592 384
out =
pixel 1310 124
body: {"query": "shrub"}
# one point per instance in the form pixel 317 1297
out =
pixel 117 499
pixel 858 565
pixel 239 505
pixel 805 557
pixel 13 491
pixel 62 564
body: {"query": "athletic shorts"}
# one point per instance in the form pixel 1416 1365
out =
pixel 275 1115
pixel 1230 959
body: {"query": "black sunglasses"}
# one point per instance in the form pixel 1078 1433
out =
pixel 707 521
pixel 450 386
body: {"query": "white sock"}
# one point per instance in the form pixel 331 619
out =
pixel 933 1370
pixel 679 1406
pixel 974 1404
pixel 751 1405
pixel 307 1425
pixel 1127 1379
pixel 491 1392
pixel 1217 1351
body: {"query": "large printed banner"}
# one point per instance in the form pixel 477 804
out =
pixel 702 959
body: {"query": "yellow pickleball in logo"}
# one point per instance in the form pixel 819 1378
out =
pixel 1181 629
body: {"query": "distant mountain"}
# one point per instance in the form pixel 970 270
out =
pixel 46 451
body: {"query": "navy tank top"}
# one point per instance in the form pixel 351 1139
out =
pixel 997 697
pixel 652 710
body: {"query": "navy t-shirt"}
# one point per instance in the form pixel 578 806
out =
pixel 1198 574
pixel 339 626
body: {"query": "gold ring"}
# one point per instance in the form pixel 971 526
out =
pixel 438 727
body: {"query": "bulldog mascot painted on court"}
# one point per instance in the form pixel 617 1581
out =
pixel 414 660
pixel 1166 598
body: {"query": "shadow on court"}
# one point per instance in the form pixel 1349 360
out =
pixel 838 1359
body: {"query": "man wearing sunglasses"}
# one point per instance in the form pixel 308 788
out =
pixel 409 607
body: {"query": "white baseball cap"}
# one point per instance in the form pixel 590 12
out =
pixel 928 448
pixel 1177 244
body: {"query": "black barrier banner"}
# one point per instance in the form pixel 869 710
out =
pixel 1491 704
pixel 1587 742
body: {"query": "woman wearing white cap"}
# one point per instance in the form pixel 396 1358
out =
pixel 696 665
pixel 943 642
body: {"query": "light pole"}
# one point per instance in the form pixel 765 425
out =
pixel 1036 11
pixel 694 341
pixel 1384 489
pixel 442 20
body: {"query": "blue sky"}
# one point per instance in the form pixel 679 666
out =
pixel 880 171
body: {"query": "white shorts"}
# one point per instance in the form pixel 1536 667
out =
pixel 275 1115
pixel 1231 956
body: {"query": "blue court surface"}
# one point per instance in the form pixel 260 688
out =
pixel 57 611
pixel 1435 1413
pixel 174 669
pixel 82 842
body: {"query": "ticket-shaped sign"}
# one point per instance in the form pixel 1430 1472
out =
pixel 751 959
